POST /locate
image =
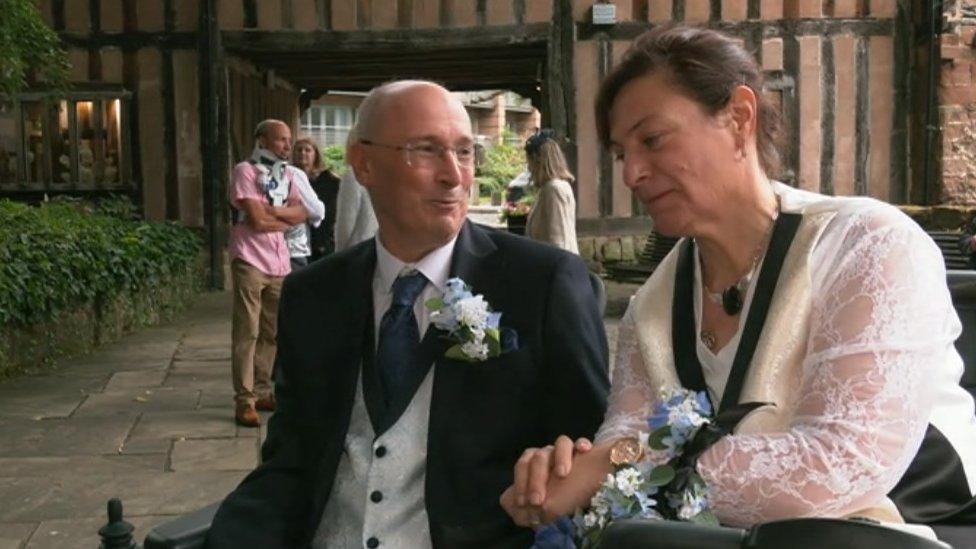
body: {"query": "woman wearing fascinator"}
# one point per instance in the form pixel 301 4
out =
pixel 831 314
pixel 553 217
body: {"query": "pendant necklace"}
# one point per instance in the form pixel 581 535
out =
pixel 732 298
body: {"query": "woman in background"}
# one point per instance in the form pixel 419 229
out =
pixel 553 217
pixel 326 186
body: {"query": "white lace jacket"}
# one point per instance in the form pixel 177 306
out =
pixel 879 367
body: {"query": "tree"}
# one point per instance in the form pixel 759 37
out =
pixel 29 49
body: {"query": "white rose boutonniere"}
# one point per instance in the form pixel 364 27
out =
pixel 470 323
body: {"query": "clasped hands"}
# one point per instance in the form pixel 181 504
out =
pixel 543 488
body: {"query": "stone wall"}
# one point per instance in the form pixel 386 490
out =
pixel 100 321
pixel 957 103
pixel 601 250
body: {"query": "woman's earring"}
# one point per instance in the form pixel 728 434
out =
pixel 740 152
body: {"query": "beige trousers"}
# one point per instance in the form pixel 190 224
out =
pixel 253 330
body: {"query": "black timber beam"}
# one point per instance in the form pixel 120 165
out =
pixel 289 42
pixel 131 40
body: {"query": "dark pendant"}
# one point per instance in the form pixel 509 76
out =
pixel 732 301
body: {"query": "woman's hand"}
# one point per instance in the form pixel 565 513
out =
pixel 549 484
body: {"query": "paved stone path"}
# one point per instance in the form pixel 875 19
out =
pixel 148 419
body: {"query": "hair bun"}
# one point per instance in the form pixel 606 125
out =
pixel 533 143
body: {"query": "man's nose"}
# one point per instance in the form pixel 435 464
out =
pixel 451 171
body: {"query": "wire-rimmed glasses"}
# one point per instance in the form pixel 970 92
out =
pixel 425 154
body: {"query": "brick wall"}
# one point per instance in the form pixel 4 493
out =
pixel 957 103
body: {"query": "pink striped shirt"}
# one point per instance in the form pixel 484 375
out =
pixel 265 251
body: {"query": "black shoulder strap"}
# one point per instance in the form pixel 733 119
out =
pixel 779 245
pixel 684 339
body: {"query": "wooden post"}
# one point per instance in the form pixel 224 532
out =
pixel 560 89
pixel 213 137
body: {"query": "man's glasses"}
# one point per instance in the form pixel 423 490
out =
pixel 428 155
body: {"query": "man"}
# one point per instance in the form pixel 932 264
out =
pixel 266 204
pixel 380 439
pixel 355 220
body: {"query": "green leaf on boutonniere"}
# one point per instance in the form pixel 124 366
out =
pixel 660 475
pixel 456 353
pixel 493 340
pixel 434 304
pixel 705 517
pixel 656 439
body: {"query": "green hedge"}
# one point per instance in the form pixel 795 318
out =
pixel 61 255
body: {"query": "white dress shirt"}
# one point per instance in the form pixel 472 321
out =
pixel 377 497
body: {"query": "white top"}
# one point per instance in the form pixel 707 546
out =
pixel 880 366
pixel 553 217
pixel 297 236
pixel 399 520
pixel 313 206
pixel 717 366
pixel 355 219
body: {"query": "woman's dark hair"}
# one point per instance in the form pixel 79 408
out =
pixel 704 64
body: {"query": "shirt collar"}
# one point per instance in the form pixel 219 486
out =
pixel 436 265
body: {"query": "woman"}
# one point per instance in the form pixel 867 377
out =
pixel 854 358
pixel 326 186
pixel 553 217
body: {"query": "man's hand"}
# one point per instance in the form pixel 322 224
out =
pixel 525 500
pixel 259 215
pixel 292 215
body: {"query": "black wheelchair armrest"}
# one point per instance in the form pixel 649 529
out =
pixel 812 533
pixel 186 532
pixel 660 534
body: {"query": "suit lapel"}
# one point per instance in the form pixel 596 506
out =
pixel 468 262
pixel 470 248
pixel 359 280
pixel 471 264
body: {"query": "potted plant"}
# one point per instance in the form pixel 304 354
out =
pixel 516 214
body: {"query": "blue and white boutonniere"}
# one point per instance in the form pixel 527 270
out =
pixel 470 323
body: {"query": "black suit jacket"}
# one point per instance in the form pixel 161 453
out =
pixel 482 415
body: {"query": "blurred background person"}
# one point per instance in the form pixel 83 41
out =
pixel 553 217
pixel 354 217
pixel 325 184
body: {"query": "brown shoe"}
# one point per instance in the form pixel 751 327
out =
pixel 266 404
pixel 247 416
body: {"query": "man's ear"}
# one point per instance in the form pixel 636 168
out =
pixel 743 110
pixel 359 162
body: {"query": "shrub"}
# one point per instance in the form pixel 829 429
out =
pixel 334 157
pixel 502 163
pixel 59 255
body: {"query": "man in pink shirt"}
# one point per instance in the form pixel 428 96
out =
pixel 266 204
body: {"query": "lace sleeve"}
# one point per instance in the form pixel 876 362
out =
pixel 882 321
pixel 630 392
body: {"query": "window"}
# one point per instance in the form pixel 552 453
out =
pixel 328 124
pixel 64 143
pixel 512 134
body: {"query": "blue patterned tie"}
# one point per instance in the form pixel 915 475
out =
pixel 399 343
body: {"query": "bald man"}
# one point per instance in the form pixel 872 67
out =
pixel 264 192
pixel 379 438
